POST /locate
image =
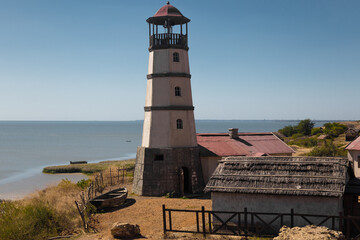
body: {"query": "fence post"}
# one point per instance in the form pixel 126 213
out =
pixel 292 217
pixel 341 221
pixel 164 218
pixel 203 220
pixel 348 227
pixel 245 223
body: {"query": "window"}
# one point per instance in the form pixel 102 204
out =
pixel 177 91
pixel 358 162
pixel 159 157
pixel 179 124
pixel 176 57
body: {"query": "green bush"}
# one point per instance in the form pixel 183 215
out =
pixel 288 131
pixel 328 150
pixel 297 135
pixel 83 183
pixel 316 131
pixel 305 126
pixel 305 142
pixel 33 221
pixel 333 130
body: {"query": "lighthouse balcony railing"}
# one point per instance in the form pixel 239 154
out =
pixel 168 40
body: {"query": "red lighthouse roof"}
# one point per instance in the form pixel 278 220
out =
pixel 169 13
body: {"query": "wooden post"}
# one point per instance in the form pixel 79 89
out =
pixel 197 222
pixel 341 221
pixel 110 178
pixel 348 227
pixel 239 224
pixel 245 223
pixel 170 223
pixel 203 220
pixel 292 217
pixel 164 218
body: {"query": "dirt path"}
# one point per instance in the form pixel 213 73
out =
pixel 147 213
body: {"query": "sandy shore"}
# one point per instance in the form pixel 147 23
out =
pixel 19 189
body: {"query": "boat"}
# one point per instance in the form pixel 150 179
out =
pixel 113 198
pixel 78 162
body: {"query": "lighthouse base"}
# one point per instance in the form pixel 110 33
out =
pixel 159 171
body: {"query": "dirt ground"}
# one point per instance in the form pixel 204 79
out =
pixel 147 213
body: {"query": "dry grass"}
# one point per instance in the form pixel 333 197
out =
pixel 90 168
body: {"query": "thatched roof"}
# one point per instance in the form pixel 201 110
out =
pixel 312 176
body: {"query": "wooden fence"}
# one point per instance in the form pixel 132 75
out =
pixel 107 179
pixel 247 223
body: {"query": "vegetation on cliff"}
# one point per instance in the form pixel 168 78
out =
pixel 325 141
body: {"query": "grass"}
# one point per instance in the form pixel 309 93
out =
pixel 46 213
pixel 90 168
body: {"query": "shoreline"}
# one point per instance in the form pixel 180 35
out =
pixel 19 189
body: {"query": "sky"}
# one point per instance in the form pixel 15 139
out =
pixel 249 59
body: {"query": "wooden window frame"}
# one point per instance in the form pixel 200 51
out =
pixel 176 57
pixel 179 124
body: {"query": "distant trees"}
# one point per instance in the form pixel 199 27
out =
pixel 303 128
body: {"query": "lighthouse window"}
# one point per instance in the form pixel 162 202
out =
pixel 176 57
pixel 177 91
pixel 179 124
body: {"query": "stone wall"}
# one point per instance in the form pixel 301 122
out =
pixel 158 171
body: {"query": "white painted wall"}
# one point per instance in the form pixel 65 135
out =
pixel 161 61
pixel 353 155
pixel 277 204
pixel 159 129
pixel 209 165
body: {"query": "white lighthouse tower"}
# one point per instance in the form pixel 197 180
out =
pixel 168 159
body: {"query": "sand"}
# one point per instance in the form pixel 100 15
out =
pixel 147 213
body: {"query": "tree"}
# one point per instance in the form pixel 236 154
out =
pixel 305 126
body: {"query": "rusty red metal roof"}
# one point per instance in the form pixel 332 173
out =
pixel 354 145
pixel 247 144
pixel 168 13
pixel 168 10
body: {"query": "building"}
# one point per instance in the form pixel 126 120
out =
pixel 309 185
pixel 215 146
pixel 168 158
pixel 354 155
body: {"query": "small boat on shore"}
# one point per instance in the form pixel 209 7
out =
pixel 78 162
pixel 110 199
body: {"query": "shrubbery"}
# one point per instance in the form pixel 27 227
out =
pixel 328 150
pixel 305 142
pixel 333 130
pixel 37 220
pixel 304 128
pixel 47 213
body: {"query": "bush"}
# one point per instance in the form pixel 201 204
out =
pixel 327 150
pixel 305 127
pixel 288 131
pixel 37 220
pixel 306 142
pixel 316 131
pixel 83 183
pixel 333 130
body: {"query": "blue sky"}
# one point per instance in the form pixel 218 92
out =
pixel 249 59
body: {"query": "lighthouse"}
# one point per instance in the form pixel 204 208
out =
pixel 168 159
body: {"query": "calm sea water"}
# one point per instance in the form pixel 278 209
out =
pixel 27 147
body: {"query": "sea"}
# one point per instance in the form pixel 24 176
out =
pixel 26 147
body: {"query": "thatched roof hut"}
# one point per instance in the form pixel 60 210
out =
pixel 306 176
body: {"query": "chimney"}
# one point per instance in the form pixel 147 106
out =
pixel 233 133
